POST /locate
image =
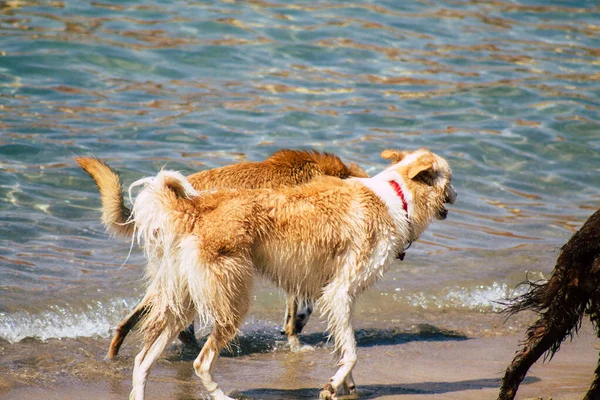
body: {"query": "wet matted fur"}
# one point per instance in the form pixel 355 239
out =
pixel 326 241
pixel 283 168
pixel 572 291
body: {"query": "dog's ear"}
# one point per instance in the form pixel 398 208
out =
pixel 423 169
pixel 395 156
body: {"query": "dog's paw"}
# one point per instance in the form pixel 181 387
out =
pixel 346 392
pixel 353 395
pixel 301 348
pixel 327 393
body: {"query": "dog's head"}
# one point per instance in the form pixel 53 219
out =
pixel 428 177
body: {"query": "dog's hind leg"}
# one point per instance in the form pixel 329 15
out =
pixel 227 297
pixel 155 342
pixel 144 361
pixel 546 334
pixel 204 365
pixel 125 326
pixel 186 336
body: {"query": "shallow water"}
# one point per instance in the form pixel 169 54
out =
pixel 507 91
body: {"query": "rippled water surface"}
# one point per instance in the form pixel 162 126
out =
pixel 507 91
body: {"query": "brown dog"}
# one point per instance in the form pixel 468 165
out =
pixel 326 241
pixel 572 292
pixel 283 168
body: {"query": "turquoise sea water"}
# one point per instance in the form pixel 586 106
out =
pixel 507 91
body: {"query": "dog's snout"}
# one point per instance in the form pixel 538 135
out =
pixel 451 195
pixel 443 214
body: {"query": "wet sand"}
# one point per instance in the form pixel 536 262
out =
pixel 423 363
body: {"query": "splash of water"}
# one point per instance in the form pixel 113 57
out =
pixel 482 298
pixel 95 319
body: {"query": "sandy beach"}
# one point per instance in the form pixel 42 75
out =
pixel 425 364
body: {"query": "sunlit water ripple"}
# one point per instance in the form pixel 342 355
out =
pixel 507 91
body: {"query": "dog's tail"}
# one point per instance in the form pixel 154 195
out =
pixel 561 289
pixel 115 215
pixel 156 226
pixel 566 287
pixel 558 301
pixel 538 297
pixel 165 232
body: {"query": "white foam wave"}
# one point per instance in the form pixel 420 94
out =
pixel 100 318
pixel 93 319
pixel 483 298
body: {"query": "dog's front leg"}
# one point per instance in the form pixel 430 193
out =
pixel 342 383
pixel 297 314
pixel 289 322
pixel 338 304
pixel 348 389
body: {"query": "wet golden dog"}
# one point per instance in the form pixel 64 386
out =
pixel 283 168
pixel 327 240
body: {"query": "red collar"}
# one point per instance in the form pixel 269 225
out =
pixel 400 194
